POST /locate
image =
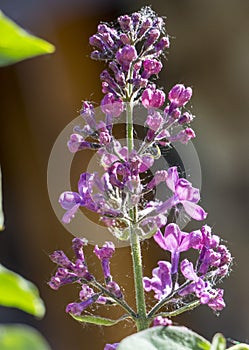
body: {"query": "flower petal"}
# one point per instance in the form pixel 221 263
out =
pixel 172 178
pixel 187 270
pixel 195 211
pixel 70 214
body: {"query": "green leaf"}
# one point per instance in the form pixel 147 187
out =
pixel 19 337
pixel 218 342
pixel 1 207
pixel 100 321
pixel 16 291
pixel 162 338
pixel 16 44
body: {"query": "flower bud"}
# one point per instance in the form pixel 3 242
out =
pixel 151 66
pixel 153 98
pixel 179 95
pixel 125 23
pixel 111 105
pixel 126 55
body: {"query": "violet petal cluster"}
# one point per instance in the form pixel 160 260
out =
pixel 123 196
pixel 133 49
pixel 77 272
pixel 186 279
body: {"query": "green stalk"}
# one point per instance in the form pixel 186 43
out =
pixel 142 321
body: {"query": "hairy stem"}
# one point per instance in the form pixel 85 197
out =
pixel 142 322
pixel 121 302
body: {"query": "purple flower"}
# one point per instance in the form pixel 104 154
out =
pixel 152 37
pixel 160 176
pixel 59 257
pixel 106 251
pixel 125 23
pixel 77 308
pixel 175 241
pixel 104 254
pixel 61 278
pixel 77 247
pixel 179 95
pixel 183 136
pixel 126 55
pixel 151 66
pixel 119 157
pixel 161 321
pixel 77 143
pixel 207 295
pixel 153 98
pixel 185 118
pixel 111 346
pixel 184 194
pixel 212 254
pixel 112 106
pixel 161 282
pixel 99 202
pixel 69 271
pixel 87 112
pixel 216 301
pixel 87 292
pixel 114 288
pixel 154 121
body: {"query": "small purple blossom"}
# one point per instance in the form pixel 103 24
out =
pixel 162 321
pixel 161 282
pixel 88 114
pixel 153 98
pixel 99 202
pixel 114 288
pixel 126 55
pixel 151 66
pixel 104 254
pixel 69 271
pixel 185 118
pixel 77 308
pixel 184 194
pixel 175 241
pixel 77 143
pixel 111 346
pixel 154 121
pixel 184 136
pixel 112 106
pixel 87 292
pixel 179 95
pixel 203 290
pixel 160 176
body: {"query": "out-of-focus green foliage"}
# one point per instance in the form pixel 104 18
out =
pixel 20 337
pixel 16 44
pixel 16 291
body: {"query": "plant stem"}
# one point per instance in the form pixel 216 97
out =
pixel 142 321
pixel 121 302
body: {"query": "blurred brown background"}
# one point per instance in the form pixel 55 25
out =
pixel 39 97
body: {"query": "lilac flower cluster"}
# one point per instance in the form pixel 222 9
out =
pixel 198 279
pixel 133 51
pixel 77 272
pixel 122 196
pixel 109 194
pixel 132 48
